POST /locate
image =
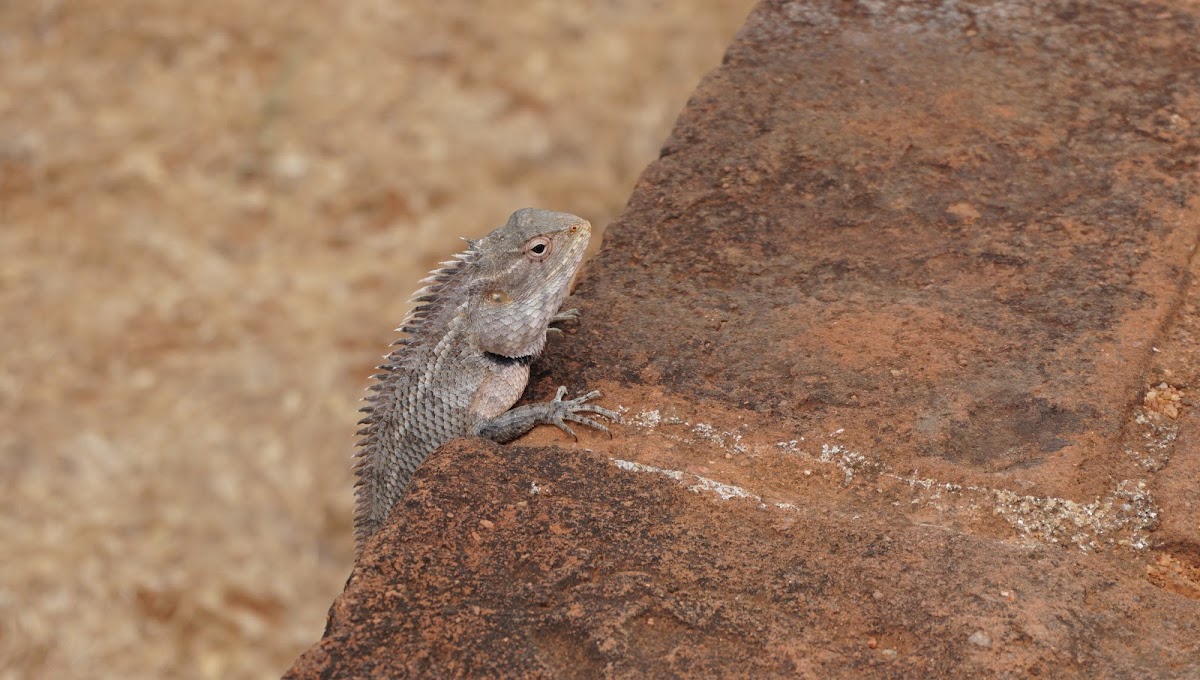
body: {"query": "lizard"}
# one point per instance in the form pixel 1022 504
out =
pixel 463 360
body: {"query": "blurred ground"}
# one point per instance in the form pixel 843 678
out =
pixel 910 301
pixel 211 216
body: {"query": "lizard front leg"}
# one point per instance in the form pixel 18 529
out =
pixel 512 424
pixel 563 315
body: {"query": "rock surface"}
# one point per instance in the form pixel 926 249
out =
pixel 909 300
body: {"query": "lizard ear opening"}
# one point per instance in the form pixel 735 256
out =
pixel 538 248
pixel 497 297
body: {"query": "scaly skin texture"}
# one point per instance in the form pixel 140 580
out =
pixel 465 361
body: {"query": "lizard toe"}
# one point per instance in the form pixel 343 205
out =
pixel 566 315
pixel 576 418
pixel 558 422
pixel 600 411
pixel 587 397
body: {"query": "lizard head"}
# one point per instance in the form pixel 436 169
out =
pixel 521 273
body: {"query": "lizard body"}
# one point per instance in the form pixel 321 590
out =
pixel 479 323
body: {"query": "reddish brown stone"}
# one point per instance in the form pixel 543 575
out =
pixel 906 275
pixel 606 572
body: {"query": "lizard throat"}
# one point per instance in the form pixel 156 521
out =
pixel 501 360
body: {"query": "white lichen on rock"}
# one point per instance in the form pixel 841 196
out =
pixel 849 462
pixel 695 483
pixel 1128 511
pixel 1123 517
pixel 1150 437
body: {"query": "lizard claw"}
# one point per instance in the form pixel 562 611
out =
pixel 565 315
pixel 589 422
pixel 571 314
pixel 558 422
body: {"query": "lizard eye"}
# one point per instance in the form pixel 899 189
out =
pixel 538 248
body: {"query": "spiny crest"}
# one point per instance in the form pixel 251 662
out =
pixel 428 298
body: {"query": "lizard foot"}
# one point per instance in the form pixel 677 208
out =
pixel 564 315
pixel 571 409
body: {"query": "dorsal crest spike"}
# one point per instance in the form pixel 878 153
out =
pixel 428 299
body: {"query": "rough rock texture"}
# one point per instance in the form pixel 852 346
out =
pixel 601 570
pixel 909 300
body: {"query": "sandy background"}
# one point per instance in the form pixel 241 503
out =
pixel 211 217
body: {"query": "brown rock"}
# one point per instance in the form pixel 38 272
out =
pixel 679 583
pixel 906 299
